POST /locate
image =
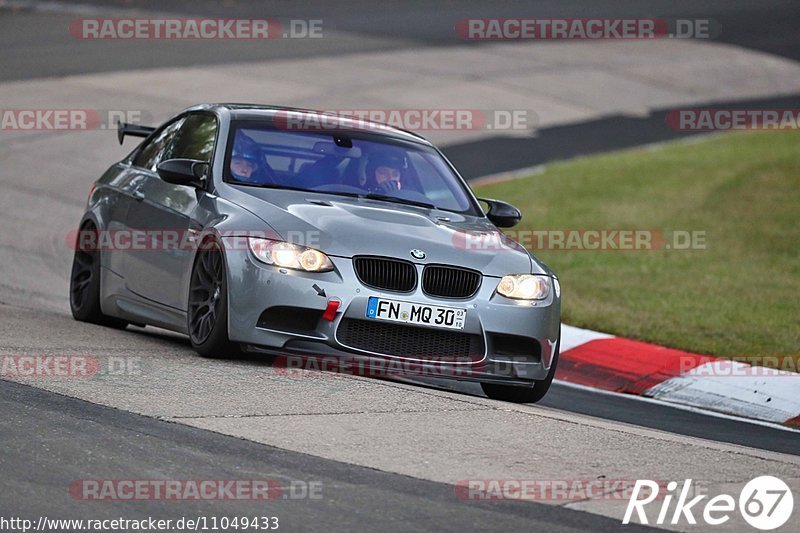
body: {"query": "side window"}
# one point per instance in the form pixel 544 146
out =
pixel 151 154
pixel 195 139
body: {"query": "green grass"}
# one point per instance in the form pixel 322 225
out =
pixel 739 296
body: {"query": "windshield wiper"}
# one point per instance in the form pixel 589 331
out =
pixel 397 200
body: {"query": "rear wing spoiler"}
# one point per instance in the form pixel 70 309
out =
pixel 134 130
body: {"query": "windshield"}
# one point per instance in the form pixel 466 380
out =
pixel 347 163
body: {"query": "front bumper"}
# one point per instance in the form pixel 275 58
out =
pixel 510 341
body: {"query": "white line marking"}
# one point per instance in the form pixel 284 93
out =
pixel 678 406
pixel 725 385
pixel 572 337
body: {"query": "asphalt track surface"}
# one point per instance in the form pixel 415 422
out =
pixel 80 440
pixel 33 44
pixel 68 439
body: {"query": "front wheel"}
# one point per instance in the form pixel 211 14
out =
pixel 510 393
pixel 84 284
pixel 207 315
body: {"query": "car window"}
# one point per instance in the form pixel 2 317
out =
pixel 151 153
pixel 428 167
pixel 195 138
pixel 349 163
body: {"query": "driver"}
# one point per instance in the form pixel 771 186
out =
pixel 246 161
pixel 385 172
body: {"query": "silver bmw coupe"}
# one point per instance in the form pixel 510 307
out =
pixel 301 234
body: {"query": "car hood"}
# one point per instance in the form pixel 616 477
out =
pixel 344 226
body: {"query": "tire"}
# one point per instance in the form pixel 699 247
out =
pixel 84 284
pixel 207 310
pixel 510 393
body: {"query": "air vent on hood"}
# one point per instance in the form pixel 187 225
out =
pixel 315 201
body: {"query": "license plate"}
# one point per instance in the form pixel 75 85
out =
pixel 412 313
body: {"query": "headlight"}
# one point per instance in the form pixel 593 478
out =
pixel 288 255
pixel 525 286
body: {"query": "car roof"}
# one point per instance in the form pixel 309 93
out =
pixel 255 112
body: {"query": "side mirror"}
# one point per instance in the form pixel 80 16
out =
pixel 183 171
pixel 502 214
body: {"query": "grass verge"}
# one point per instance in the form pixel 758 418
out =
pixel 738 296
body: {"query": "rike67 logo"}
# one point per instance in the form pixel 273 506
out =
pixel 765 503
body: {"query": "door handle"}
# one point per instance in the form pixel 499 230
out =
pixel 138 194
